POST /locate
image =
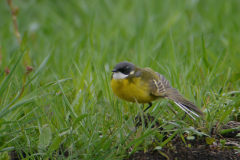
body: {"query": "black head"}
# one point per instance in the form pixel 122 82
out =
pixel 124 67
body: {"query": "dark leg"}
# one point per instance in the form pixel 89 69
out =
pixel 136 118
pixel 150 105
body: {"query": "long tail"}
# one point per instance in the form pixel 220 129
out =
pixel 187 106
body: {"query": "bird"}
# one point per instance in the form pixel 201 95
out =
pixel 143 85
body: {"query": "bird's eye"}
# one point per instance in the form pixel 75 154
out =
pixel 123 69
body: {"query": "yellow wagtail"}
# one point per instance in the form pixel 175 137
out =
pixel 143 85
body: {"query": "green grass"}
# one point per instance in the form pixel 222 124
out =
pixel 67 103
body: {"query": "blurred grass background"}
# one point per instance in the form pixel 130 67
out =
pixel 194 44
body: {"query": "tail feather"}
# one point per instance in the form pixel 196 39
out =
pixel 187 106
pixel 186 110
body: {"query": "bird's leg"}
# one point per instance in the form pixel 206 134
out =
pixel 150 105
pixel 138 117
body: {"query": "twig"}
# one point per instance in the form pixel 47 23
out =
pixel 14 11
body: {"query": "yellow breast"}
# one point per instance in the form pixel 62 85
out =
pixel 132 91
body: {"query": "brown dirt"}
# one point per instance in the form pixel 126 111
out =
pixel 199 150
pixel 196 149
pixel 183 153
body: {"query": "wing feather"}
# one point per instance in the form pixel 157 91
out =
pixel 157 88
pixel 162 88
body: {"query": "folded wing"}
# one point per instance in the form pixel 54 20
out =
pixel 162 88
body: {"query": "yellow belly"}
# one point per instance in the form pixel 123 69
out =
pixel 132 91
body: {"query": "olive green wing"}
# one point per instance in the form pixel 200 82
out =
pixel 174 95
pixel 164 81
pixel 158 86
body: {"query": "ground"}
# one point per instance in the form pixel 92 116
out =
pixel 197 148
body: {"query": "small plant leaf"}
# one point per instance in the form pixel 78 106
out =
pixel 169 138
pixel 78 119
pixel 45 137
pixel 223 141
pixel 163 154
pixel 55 144
pixel 4 156
pixel 158 148
pixel 190 137
pixel 139 132
pixel 225 131
pixel 210 140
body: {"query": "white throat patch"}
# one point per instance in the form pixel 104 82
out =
pixel 119 75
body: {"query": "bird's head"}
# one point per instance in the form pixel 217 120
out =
pixel 123 70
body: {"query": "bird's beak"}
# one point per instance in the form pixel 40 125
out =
pixel 114 70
